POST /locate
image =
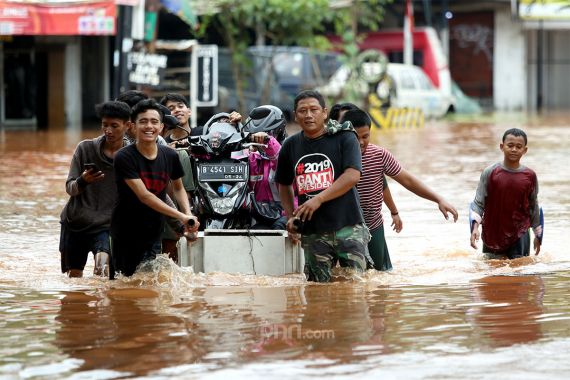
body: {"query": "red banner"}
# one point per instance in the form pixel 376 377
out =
pixel 77 18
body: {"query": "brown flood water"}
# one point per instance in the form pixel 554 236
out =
pixel 443 312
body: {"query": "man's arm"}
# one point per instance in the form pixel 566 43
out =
pixel 535 219
pixel 155 203
pixel 477 207
pixel 181 196
pixel 288 202
pixel 347 180
pixel 389 201
pixel 78 178
pixel 287 199
pixel 413 184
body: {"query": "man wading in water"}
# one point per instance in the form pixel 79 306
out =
pixel 326 168
pixel 86 217
pixel 142 172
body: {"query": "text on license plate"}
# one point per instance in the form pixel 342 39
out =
pixel 222 172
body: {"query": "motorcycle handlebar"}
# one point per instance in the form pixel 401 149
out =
pixel 265 139
pixel 247 145
pixel 297 224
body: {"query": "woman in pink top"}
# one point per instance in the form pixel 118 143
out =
pixel 267 126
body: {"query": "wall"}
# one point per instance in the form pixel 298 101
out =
pixel 72 83
pixel 509 70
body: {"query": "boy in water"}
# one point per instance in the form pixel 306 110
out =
pixel 86 217
pixel 142 172
pixel 337 113
pixel 506 202
pixel 377 162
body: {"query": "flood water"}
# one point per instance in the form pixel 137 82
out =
pixel 442 313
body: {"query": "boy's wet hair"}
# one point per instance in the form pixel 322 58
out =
pixel 358 118
pixel 132 97
pixel 174 97
pixel 114 110
pixel 515 132
pixel 145 105
pixel 335 110
pixel 309 94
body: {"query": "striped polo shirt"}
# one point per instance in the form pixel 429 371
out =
pixel 376 162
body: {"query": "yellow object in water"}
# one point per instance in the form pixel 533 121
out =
pixel 391 117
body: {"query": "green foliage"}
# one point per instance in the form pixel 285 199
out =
pixel 290 22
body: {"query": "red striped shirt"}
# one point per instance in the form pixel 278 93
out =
pixel 376 162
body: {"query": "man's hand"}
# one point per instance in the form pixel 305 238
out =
pixel 397 224
pixel 536 246
pixel 475 235
pixel 191 225
pixel 446 208
pixel 259 137
pixel 294 235
pixel 235 117
pixel 91 176
pixel 306 210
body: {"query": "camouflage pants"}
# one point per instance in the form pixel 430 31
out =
pixel 323 250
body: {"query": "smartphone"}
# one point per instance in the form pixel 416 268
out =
pixel 92 166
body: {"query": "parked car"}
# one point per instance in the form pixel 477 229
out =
pixel 294 69
pixel 405 86
pixel 428 52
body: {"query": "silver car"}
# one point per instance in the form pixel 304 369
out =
pixel 405 86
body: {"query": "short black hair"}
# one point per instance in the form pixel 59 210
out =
pixel 132 97
pixel 145 105
pixel 174 97
pixel 113 109
pixel 335 110
pixel 515 132
pixel 358 118
pixel 309 94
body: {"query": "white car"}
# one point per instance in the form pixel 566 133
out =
pixel 411 88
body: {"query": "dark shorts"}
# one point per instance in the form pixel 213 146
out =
pixel 521 248
pixel 127 254
pixel 379 250
pixel 75 247
pixel 346 246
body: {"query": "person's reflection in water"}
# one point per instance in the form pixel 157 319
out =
pixel 124 331
pixel 510 310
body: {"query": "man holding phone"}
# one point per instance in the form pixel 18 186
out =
pixel 85 219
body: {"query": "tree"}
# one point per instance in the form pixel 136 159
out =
pixel 362 14
pixel 287 22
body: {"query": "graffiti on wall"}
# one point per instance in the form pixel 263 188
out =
pixel 477 37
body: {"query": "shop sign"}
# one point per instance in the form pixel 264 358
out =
pixel 57 18
pixel 146 69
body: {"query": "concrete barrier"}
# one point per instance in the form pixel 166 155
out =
pixel 263 252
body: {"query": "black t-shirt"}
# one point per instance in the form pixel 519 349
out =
pixel 132 218
pixel 313 165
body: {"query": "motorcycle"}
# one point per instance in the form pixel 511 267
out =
pixel 221 174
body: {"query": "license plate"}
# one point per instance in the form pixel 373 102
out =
pixel 222 172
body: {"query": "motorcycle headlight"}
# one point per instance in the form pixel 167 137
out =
pixel 225 205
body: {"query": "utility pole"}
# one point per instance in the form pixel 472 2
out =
pixel 408 33
pixel 539 74
pixel 123 44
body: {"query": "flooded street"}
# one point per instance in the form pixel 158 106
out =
pixel 442 313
